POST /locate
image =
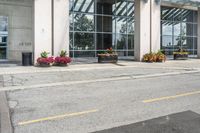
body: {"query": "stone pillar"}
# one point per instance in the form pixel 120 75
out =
pixel 198 38
pixel 42 27
pixel 147 28
pixel 61 26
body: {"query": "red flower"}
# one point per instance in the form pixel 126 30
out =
pixel 62 60
pixel 47 60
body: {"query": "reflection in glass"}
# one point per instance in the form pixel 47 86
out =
pixel 83 22
pixel 121 41
pixel 84 53
pixel 105 24
pixel 121 7
pixel 181 26
pixel 131 42
pixel 166 28
pixel 130 26
pixel 83 41
pixel 177 28
pixel 96 25
pixel 104 41
pixel 86 6
pixel 106 7
pixel 167 42
pixel 121 25
pixel 71 41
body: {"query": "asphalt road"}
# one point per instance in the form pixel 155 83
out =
pixel 96 106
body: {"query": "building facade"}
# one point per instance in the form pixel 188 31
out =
pixel 86 27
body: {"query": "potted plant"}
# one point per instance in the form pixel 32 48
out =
pixel 44 60
pixel 160 57
pixel 109 56
pixel 154 57
pixel 180 54
pixel 63 59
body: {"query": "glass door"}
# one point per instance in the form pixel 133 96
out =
pixel 3 36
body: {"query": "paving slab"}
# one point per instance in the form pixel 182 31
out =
pixel 184 122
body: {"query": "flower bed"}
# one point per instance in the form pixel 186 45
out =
pixel 44 60
pixel 180 54
pixel 154 57
pixel 108 57
pixel 62 60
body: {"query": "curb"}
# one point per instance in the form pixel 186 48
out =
pixel 5 121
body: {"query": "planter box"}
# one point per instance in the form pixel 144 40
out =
pixel 44 65
pixel 180 56
pixel 61 64
pixel 107 58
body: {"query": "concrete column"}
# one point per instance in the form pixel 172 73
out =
pixel 198 38
pixel 42 27
pixel 147 28
pixel 155 26
pixel 61 26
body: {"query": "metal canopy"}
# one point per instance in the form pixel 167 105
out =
pixel 195 3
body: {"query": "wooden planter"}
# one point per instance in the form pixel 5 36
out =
pixel 180 55
pixel 107 58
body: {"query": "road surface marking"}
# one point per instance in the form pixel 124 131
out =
pixel 56 117
pixel 171 97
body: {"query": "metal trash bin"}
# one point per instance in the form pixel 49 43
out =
pixel 26 59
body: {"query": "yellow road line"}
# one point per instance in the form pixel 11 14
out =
pixel 57 117
pixel 171 97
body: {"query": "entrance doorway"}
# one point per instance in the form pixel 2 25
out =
pixel 3 37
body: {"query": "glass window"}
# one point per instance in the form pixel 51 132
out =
pixel 179 32
pixel 100 24
pixel 106 7
pixel 83 41
pixel 166 28
pixel 121 41
pixel 105 24
pixel 121 8
pixel 167 42
pixel 86 6
pixel 3 51
pixel 104 41
pixel 130 42
pixel 121 25
pixel 83 22
pixel 177 28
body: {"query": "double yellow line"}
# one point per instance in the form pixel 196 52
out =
pixel 57 117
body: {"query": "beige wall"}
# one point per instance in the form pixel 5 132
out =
pixel 20 23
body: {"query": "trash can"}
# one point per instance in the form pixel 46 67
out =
pixel 26 59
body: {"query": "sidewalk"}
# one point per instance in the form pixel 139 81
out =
pixel 170 64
